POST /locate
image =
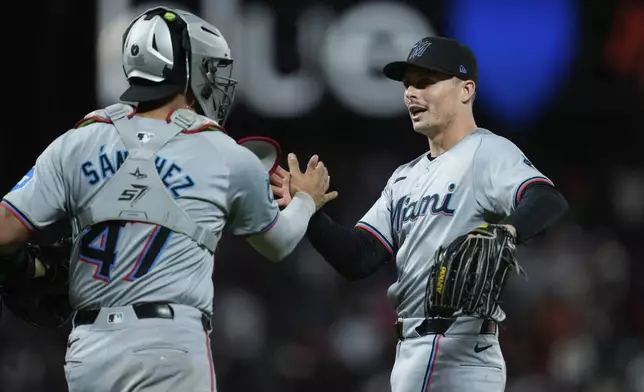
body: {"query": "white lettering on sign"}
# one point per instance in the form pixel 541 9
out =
pixel 341 54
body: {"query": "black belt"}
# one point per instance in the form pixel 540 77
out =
pixel 440 326
pixel 142 311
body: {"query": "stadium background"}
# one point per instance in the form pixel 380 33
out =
pixel 563 79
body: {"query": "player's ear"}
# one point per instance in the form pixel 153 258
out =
pixel 468 91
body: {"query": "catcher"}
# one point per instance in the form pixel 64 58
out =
pixel 149 190
pixel 430 219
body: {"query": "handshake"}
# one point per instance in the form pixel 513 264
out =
pixel 314 181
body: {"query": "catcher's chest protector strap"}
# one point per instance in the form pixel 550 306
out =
pixel 136 192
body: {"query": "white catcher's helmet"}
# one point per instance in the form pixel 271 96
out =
pixel 169 51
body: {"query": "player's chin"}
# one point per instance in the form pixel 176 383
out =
pixel 421 126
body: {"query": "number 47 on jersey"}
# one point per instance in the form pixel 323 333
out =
pixel 99 244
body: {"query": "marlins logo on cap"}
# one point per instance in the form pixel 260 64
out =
pixel 418 49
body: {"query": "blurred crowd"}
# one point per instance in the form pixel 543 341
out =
pixel 576 325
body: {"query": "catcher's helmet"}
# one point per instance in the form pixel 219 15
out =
pixel 168 51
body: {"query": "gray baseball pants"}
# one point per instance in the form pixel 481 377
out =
pixel 463 359
pixel 119 352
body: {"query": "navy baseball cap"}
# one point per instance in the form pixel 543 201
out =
pixel 440 54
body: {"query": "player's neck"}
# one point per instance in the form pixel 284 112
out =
pixel 164 111
pixel 450 136
pixel 161 113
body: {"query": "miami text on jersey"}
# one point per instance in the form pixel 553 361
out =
pixel 405 210
pixel 171 174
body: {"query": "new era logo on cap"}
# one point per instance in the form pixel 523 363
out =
pixel 463 70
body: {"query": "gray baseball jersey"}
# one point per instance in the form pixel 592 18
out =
pixel 214 182
pixel 426 204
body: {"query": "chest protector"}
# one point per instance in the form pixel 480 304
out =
pixel 136 192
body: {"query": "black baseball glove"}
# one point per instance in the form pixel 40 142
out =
pixel 43 301
pixel 469 275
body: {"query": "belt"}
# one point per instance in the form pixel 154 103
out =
pixel 142 311
pixel 440 326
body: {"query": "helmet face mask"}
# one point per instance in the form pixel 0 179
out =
pixel 177 51
pixel 213 86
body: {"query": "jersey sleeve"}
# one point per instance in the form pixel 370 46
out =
pixel 501 174
pixel 39 198
pixel 252 208
pixel 377 220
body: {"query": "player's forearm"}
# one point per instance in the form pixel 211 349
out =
pixel 288 231
pixel 541 206
pixel 353 253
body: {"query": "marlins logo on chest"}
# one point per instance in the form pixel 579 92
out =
pixel 405 209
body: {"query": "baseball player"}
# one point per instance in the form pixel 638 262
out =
pixel 468 174
pixel 149 191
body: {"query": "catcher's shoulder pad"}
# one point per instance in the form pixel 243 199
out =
pixel 267 150
pixel 100 116
pixel 193 122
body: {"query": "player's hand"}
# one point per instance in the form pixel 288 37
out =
pixel 281 182
pixel 315 181
pixel 281 186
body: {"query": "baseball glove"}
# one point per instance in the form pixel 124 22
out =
pixel 44 301
pixel 469 275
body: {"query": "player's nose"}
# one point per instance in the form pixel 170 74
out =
pixel 411 93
